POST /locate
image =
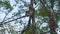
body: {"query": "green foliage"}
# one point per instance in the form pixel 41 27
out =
pixel 28 31
pixel 1 2
pixel 43 12
pixel 6 4
pixel 52 2
pixel 3 31
pixel 14 32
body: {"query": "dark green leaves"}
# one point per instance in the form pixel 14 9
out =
pixel 6 4
pixel 43 12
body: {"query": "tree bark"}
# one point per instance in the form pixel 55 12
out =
pixel 30 17
pixel 33 18
pixel 52 24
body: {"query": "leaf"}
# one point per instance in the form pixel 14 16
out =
pixel 28 31
pixel 51 1
pixel 43 12
pixel 1 2
pixel 6 4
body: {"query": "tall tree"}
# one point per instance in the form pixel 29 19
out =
pixel 33 17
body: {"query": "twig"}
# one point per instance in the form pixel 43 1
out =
pixel 13 20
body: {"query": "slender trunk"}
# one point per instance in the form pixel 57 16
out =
pixel 52 24
pixel 33 18
pixel 33 25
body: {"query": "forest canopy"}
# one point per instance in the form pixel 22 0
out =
pixel 29 16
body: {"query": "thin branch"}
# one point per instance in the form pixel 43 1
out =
pixel 10 18
pixel 1 23
pixel 43 2
pixel 5 17
pixel 37 5
pixel 13 20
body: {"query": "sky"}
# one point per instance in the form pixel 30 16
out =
pixel 15 9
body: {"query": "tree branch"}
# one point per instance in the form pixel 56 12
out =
pixel 14 19
pixel 5 17
pixel 1 23
pixel 10 18
pixel 43 2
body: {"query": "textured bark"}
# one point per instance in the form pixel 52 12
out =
pixel 52 24
pixel 33 25
pixel 33 18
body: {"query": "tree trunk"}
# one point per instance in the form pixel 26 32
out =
pixel 31 9
pixel 33 18
pixel 52 24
